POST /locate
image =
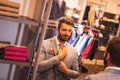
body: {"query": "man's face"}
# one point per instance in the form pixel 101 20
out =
pixel 64 32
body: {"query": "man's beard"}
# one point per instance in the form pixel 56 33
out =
pixel 63 39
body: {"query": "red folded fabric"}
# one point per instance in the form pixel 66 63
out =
pixel 13 53
pixel 14 48
pixel 16 58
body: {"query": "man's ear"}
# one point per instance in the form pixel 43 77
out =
pixel 57 30
pixel 108 56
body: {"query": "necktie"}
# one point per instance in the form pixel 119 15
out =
pixel 61 46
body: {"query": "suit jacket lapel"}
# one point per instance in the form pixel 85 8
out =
pixel 54 45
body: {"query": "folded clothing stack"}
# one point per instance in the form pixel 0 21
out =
pixel 9 8
pixel 14 53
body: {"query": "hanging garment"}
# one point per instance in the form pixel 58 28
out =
pixel 98 14
pixel 72 37
pixel 91 16
pixel 80 40
pixel 84 43
pixel 56 10
pixel 50 32
pixel 92 52
pixel 86 13
pixel 75 41
pixel 86 50
pixel 81 43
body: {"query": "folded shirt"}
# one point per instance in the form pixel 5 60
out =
pixel 10 4
pixel 13 53
pixel 15 58
pixel 15 48
pixel 9 9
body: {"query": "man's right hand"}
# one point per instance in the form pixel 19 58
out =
pixel 63 68
pixel 62 53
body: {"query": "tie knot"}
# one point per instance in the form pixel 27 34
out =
pixel 61 45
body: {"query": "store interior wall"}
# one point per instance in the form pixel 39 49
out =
pixel 111 6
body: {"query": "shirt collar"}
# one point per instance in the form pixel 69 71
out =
pixel 117 68
pixel 65 44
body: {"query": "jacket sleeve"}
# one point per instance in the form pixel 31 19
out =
pixel 74 71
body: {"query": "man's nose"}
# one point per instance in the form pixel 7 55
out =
pixel 67 32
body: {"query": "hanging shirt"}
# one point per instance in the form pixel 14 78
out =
pixel 92 52
pixel 72 37
pixel 80 40
pixel 56 10
pixel 85 52
pixel 82 43
pixel 75 41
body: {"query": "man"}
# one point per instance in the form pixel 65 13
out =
pixel 58 59
pixel 112 70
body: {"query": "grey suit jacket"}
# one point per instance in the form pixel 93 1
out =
pixel 108 74
pixel 48 62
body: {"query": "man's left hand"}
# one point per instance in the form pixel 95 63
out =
pixel 62 67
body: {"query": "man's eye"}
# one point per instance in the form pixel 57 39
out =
pixel 70 31
pixel 64 30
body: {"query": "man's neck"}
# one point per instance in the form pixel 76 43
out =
pixel 109 64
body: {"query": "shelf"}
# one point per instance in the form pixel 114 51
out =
pixel 20 19
pixel 110 21
pixel 109 24
pixel 104 29
pixel 14 62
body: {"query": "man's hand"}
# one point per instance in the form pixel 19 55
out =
pixel 62 67
pixel 62 53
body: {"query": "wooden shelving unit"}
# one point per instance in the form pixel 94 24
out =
pixel 21 20
pixel 14 62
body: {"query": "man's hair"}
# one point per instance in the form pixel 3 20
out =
pixel 114 50
pixel 65 20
